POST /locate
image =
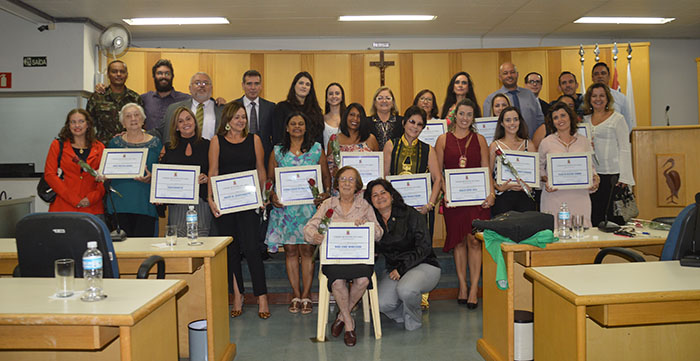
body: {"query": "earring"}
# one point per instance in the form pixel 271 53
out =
pixel 227 127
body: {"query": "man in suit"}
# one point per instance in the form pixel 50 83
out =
pixel 207 112
pixel 259 110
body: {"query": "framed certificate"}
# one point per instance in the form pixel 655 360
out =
pixel 486 126
pixel 569 170
pixel 293 184
pixel 236 192
pixel 175 184
pixel 466 186
pixel 526 163
pixel 433 129
pixel 347 243
pixel 120 163
pixel 585 130
pixel 414 188
pixel 369 164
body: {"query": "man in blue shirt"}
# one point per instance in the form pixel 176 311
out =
pixel 156 102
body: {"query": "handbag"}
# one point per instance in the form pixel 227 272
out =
pixel 43 189
pixel 517 226
pixel 625 204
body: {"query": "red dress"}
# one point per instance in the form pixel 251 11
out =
pixel 458 220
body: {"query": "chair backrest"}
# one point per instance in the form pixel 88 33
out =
pixel 43 238
pixel 683 231
pixel 333 256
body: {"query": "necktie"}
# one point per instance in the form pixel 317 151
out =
pixel 514 97
pixel 200 116
pixel 253 119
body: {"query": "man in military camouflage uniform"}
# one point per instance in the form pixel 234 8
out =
pixel 104 108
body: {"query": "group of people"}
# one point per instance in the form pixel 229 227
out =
pixel 252 133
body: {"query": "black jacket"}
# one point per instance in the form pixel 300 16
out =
pixel 406 242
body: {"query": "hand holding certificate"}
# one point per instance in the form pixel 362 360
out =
pixel 467 186
pixel 175 184
pixel 121 163
pixel 293 184
pixel 433 129
pixel 370 165
pixel 347 243
pixel 236 192
pixel 569 171
pixel 415 189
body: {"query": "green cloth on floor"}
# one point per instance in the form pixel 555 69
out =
pixel 492 243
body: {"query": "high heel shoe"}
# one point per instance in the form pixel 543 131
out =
pixel 236 313
pixel 264 315
pixel 471 305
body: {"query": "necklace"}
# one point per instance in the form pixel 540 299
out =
pixel 463 156
pixel 565 144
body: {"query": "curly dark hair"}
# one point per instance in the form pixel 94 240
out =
pixel 66 135
pixel 434 109
pixel 451 97
pixel 395 195
pixel 573 118
pixel 287 140
pixel 365 124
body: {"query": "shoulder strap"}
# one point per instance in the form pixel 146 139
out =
pixel 60 152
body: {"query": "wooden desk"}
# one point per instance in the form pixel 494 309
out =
pixel 203 267
pixel 137 321
pixel 623 311
pixel 499 305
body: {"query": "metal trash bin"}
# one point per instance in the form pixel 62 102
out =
pixel 197 331
pixel 522 336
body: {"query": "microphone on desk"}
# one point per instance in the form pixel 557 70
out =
pixel 668 120
pixel 118 234
pixel 605 225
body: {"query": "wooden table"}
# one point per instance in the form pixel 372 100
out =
pixel 623 311
pixel 203 267
pixel 499 305
pixel 137 321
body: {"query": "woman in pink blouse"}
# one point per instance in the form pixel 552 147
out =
pixel 348 206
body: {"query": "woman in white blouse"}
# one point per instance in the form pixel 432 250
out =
pixel 613 158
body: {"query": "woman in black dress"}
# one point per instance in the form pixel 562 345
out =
pixel 301 98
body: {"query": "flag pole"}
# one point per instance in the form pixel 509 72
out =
pixel 583 70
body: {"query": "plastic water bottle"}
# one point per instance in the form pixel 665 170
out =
pixel 192 231
pixel 564 221
pixel 92 273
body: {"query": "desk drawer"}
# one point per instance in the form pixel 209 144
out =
pixel 51 337
pixel 628 314
pixel 130 266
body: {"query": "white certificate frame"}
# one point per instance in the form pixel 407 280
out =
pixel 377 157
pixel 431 136
pixel 489 123
pixel 280 173
pixel 561 156
pixel 533 157
pixel 329 255
pixel 110 153
pixel 423 182
pixel 160 169
pixel 453 200
pixel 586 130
pixel 219 181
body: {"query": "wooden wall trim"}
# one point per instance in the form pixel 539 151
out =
pixel 357 81
pixel 406 61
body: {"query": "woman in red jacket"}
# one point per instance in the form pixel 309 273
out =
pixel 78 191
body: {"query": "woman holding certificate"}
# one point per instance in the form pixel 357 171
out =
pixel 613 158
pixel 354 136
pixel 348 206
pixel 76 190
pixel 566 139
pixel 187 147
pixel 233 150
pixel 460 148
pixel 137 215
pixel 286 225
pixel 511 135
pixel 460 87
pixel 411 266
pixel 386 121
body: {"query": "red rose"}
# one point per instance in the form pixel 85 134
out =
pixel 76 160
pixel 312 182
pixel 498 151
pixel 268 185
pixel 329 213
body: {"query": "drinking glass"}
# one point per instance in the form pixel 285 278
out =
pixel 65 277
pixel 577 223
pixel 171 235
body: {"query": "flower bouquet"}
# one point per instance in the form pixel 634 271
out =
pixel 504 160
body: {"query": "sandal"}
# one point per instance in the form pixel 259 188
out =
pixel 236 313
pixel 295 305
pixel 306 306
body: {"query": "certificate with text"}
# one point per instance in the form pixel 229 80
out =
pixel 569 170
pixel 486 126
pixel 346 243
pixel 527 165
pixel 433 129
pixel 175 184
pixel 467 186
pixel 119 163
pixel 370 165
pixel 236 192
pixel 414 188
pixel 293 184
pixel 585 130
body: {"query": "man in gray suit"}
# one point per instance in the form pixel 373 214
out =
pixel 207 112
pixel 259 110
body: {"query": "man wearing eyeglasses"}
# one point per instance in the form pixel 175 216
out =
pixel 533 81
pixel 568 86
pixel 207 111
pixel 156 102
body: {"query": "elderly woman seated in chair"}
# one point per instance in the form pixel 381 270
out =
pixel 348 206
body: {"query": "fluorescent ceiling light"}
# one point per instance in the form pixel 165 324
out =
pixel 622 20
pixel 176 21
pixel 386 17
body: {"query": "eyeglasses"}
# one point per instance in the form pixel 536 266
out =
pixel 387 98
pixel 414 122
pixel 534 82
pixel 426 99
pixel 346 179
pixel 163 73
pixel 201 83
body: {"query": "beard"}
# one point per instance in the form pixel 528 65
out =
pixel 164 86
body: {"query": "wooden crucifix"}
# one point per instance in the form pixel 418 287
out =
pixel 382 65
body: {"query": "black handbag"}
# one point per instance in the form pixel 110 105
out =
pixel 517 226
pixel 43 189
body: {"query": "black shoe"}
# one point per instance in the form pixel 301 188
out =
pixel 472 306
pixel 462 301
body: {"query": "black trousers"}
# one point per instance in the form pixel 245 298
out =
pixel 243 227
pixel 601 200
pixel 137 225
